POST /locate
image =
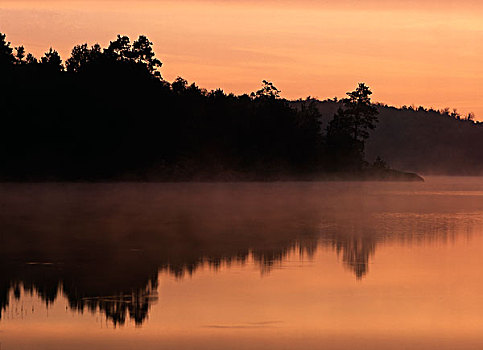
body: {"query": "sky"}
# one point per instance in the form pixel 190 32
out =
pixel 426 53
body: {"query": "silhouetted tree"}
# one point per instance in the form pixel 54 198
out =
pixel 20 55
pixel 31 59
pixel 142 52
pixel 81 56
pixel 6 52
pixel 179 85
pixel 120 48
pixel 52 61
pixel 349 128
pixel 362 113
pixel 268 90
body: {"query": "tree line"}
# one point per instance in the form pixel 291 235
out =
pixel 107 113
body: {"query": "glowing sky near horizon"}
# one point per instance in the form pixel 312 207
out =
pixel 409 52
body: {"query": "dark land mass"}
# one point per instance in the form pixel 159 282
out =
pixel 107 115
pixel 417 139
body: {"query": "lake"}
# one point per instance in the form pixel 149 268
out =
pixel 295 265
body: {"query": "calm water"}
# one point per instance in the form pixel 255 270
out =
pixel 242 266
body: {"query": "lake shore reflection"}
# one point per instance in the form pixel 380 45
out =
pixel 305 261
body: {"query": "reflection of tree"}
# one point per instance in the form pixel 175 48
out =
pixel 4 296
pixel 116 304
pixel 356 252
pixel 132 300
pixel 127 285
pixel 116 307
pixel 105 254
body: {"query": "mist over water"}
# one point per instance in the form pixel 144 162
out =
pixel 331 265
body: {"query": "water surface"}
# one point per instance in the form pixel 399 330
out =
pixel 242 265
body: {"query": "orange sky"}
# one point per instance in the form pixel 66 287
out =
pixel 409 52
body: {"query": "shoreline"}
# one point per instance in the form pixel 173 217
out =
pixel 369 175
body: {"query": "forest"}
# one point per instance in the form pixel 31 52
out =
pixel 107 114
pixel 422 140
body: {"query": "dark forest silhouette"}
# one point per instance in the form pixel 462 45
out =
pixel 422 140
pixel 107 114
